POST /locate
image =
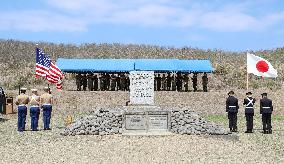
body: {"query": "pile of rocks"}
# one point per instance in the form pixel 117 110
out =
pixel 104 121
pixel 99 122
pixel 189 122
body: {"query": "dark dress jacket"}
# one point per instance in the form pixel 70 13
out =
pixel 232 104
pixel 266 106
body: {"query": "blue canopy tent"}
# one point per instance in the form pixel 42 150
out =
pixel 127 65
pixel 196 66
pixel 157 65
pixel 95 65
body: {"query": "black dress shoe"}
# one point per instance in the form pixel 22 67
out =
pixel 235 130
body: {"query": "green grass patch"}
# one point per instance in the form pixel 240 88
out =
pixel 217 118
pixel 277 117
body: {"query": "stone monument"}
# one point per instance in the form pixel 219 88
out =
pixel 142 116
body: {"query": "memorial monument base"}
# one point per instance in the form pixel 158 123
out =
pixel 143 120
pixel 146 120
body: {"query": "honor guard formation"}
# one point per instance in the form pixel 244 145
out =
pixel 120 82
pixel 35 103
pixel 266 109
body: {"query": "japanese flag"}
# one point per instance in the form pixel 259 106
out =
pixel 259 66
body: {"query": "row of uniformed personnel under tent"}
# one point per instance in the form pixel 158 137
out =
pixel 120 82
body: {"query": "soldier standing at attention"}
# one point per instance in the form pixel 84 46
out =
pixel 232 107
pixel 118 82
pixel 204 82
pixel 194 82
pixel 122 82
pixel 266 109
pixel 101 78
pixel 22 100
pixel 107 80
pixel 46 100
pixel 96 83
pixel 84 82
pixel 174 86
pixel 179 82
pixel 164 82
pixel 159 82
pixel 249 111
pixel 127 82
pixel 169 82
pixel 2 99
pixel 112 82
pixel 185 79
pixel 155 82
pixel 90 81
pixel 78 81
pixel 34 109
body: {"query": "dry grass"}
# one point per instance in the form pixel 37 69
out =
pixel 17 64
pixel 51 147
pixel 17 61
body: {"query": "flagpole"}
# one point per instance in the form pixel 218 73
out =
pixel 247 73
pixel 247 81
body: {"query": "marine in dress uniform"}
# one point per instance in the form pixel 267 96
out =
pixel 46 100
pixel 204 82
pixel 34 109
pixel 266 109
pixel 249 111
pixel 232 107
pixel 22 100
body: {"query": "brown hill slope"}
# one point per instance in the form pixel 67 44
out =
pixel 17 61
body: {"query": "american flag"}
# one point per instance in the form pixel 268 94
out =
pixel 46 68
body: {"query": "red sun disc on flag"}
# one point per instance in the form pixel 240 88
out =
pixel 262 66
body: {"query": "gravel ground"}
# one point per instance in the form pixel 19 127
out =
pixel 51 147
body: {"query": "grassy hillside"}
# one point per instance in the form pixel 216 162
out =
pixel 17 61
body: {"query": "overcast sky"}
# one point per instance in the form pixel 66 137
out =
pixel 235 25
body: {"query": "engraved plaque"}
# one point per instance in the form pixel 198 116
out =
pixel 142 87
pixel 158 122
pixel 135 122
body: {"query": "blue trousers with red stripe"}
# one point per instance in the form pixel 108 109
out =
pixel 34 113
pixel 47 109
pixel 22 113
